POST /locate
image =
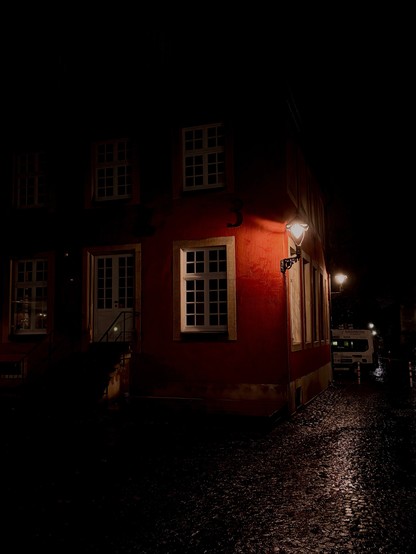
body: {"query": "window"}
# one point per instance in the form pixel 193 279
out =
pixel 112 283
pixel 307 301
pixel 326 316
pixel 295 301
pixel 350 345
pixel 203 157
pixel 30 180
pixel 205 281
pixel 29 298
pixel 205 287
pixel 316 315
pixel 321 307
pixel 113 170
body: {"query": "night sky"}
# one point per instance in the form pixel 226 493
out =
pixel 355 94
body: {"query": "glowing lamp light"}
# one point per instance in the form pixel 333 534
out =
pixel 340 279
pixel 297 231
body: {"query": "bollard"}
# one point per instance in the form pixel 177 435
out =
pixel 410 374
pixel 358 372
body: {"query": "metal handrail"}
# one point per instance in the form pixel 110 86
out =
pixel 125 315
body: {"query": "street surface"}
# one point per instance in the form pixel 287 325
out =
pixel 337 477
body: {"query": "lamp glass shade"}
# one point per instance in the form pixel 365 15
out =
pixel 297 230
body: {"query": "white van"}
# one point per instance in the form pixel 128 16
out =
pixel 350 346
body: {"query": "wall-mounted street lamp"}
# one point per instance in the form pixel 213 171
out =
pixel 297 229
pixel 340 279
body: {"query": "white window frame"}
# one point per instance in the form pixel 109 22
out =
pixel 203 157
pixel 181 276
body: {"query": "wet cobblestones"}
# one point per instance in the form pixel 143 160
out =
pixel 337 477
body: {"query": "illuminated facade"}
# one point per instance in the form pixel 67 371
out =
pixel 167 242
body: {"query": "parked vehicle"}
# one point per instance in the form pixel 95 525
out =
pixel 350 347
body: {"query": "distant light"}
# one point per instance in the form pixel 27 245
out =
pixel 371 325
pixel 340 278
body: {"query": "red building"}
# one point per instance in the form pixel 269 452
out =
pixel 158 252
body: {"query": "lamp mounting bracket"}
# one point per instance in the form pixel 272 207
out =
pixel 287 263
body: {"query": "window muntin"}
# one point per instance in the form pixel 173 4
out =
pixel 113 170
pixel 30 180
pixel 29 302
pixel 204 157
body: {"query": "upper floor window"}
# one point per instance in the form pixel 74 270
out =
pixel 29 296
pixel 113 170
pixel 30 180
pixel 205 295
pixel 203 157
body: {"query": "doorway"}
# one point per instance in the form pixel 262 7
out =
pixel 113 293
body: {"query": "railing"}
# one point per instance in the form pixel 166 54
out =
pixel 118 331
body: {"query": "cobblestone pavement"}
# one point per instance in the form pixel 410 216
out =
pixel 337 477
